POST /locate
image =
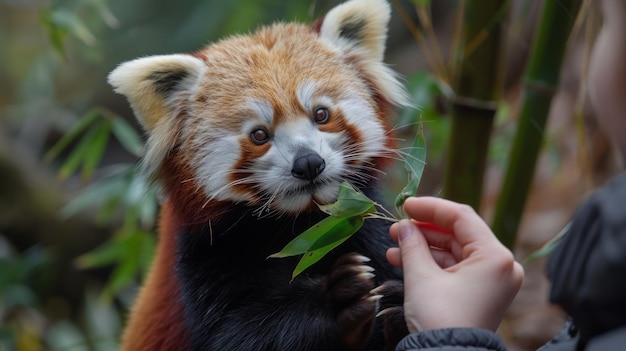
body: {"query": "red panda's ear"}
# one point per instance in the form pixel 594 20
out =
pixel 358 29
pixel 152 84
pixel 358 25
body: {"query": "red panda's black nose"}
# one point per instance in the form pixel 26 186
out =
pixel 307 165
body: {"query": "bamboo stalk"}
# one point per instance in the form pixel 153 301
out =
pixel 591 28
pixel 424 16
pixel 477 87
pixel 455 43
pixel 540 84
pixel 437 69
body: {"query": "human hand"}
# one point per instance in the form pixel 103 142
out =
pixel 464 278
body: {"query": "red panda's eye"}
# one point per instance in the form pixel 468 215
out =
pixel 321 115
pixel 259 136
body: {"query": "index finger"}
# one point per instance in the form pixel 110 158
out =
pixel 466 225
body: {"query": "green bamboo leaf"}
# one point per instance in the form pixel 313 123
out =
pixel 85 121
pixel 433 97
pixel 108 253
pixel 78 154
pixel 55 32
pixel 548 247
pixel 95 149
pixel 349 203
pixel 106 14
pixel 346 218
pixel 108 190
pixel 110 204
pixel 139 246
pixel 311 257
pixel 123 274
pixel 414 163
pixel 70 22
pixel 127 136
pixel 128 251
pixel 339 233
pixel 301 243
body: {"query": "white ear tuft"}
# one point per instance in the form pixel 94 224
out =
pixel 359 28
pixel 358 24
pixel 153 86
pixel 152 83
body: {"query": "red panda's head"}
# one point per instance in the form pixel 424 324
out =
pixel 277 119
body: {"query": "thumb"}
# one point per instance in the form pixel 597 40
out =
pixel 417 259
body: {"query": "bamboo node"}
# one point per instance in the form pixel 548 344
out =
pixel 540 87
pixel 475 104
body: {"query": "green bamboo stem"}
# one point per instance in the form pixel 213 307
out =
pixel 539 86
pixel 477 87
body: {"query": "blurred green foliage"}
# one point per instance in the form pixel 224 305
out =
pixel 25 326
pixel 121 187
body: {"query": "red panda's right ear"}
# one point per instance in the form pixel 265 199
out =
pixel 153 84
pixel 358 25
pixel 358 28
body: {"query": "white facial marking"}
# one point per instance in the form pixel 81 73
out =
pixel 262 109
pixel 214 163
pixel 305 92
pixel 361 115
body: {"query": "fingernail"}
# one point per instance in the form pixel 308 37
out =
pixel 404 230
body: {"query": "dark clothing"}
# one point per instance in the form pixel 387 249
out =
pixel 565 340
pixel 474 339
pixel 613 340
pixel 588 268
pixel 453 339
pixel 588 274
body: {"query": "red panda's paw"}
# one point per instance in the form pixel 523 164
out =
pixel 392 312
pixel 348 288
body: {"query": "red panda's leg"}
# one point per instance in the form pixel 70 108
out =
pixel 156 319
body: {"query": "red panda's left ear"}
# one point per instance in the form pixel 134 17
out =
pixel 358 25
pixel 358 29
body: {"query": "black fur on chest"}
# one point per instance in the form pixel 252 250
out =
pixel 235 298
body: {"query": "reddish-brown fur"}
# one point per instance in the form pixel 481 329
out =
pixel 158 321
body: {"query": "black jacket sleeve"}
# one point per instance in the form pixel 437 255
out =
pixel 613 340
pixel 588 268
pixel 565 340
pixel 452 339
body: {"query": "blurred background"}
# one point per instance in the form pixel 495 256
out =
pixel 77 219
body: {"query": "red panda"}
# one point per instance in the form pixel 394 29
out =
pixel 246 137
